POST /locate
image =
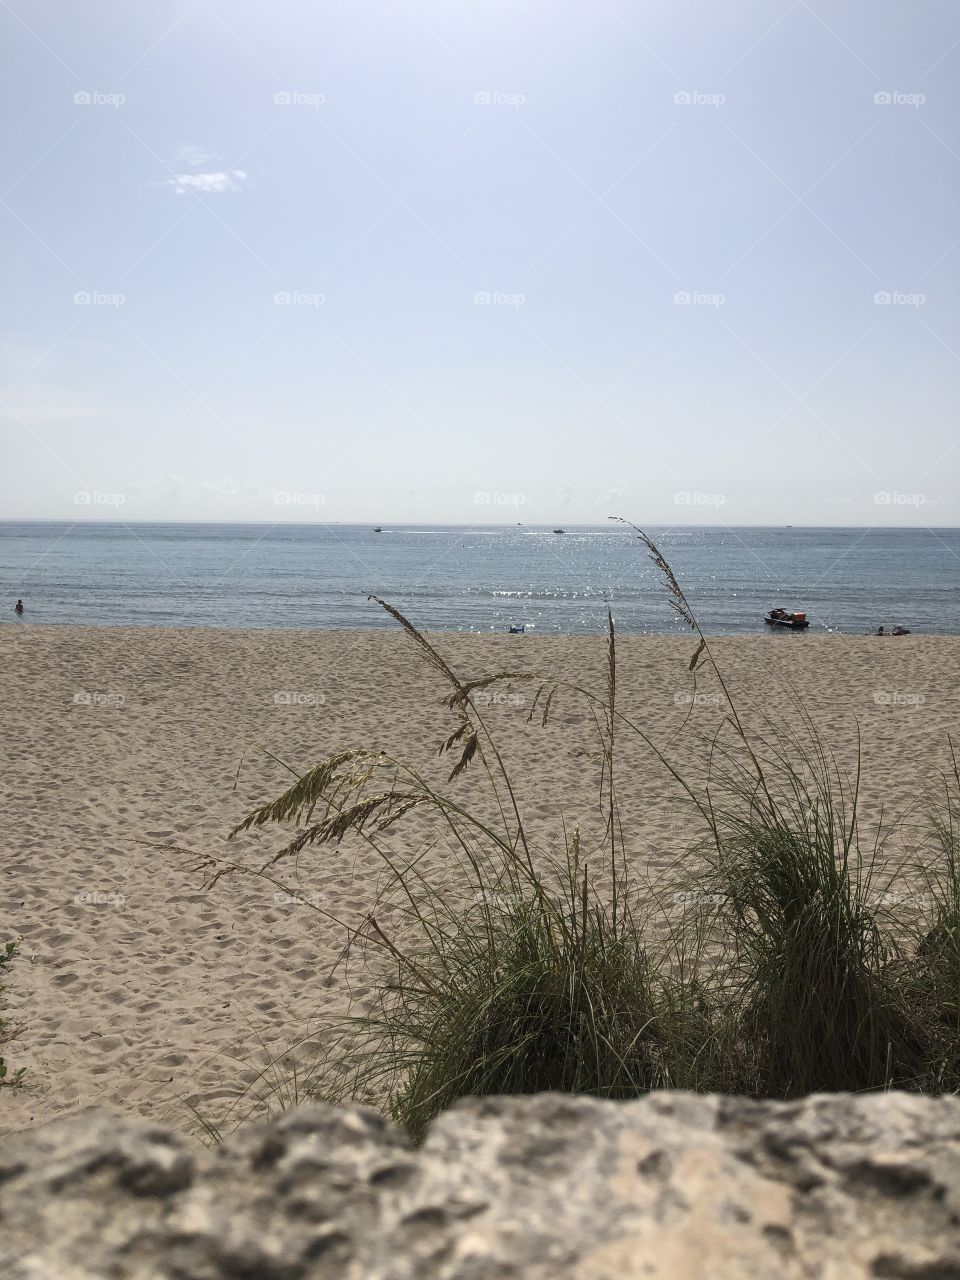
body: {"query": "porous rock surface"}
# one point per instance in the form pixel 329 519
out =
pixel 538 1188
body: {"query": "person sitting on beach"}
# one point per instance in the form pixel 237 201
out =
pixel 880 631
pixel 900 631
pixel 18 607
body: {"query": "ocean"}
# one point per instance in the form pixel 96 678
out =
pixel 474 579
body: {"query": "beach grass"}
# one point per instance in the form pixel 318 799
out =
pixel 774 961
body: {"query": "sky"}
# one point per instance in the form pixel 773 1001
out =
pixel 481 261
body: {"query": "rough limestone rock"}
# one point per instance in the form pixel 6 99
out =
pixel 538 1188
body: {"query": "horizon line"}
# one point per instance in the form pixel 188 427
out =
pixel 448 524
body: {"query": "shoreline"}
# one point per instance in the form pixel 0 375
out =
pixel 532 633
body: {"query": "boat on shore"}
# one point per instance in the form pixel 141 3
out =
pixel 796 621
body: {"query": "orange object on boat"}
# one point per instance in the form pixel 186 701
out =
pixel 799 617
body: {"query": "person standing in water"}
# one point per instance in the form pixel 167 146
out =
pixel 18 607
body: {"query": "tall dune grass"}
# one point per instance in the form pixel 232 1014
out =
pixel 934 972
pixel 773 973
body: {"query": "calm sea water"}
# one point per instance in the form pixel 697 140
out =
pixel 469 579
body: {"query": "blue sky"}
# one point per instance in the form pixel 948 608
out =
pixel 481 262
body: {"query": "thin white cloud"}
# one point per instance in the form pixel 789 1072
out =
pixel 208 183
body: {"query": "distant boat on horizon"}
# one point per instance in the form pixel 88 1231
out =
pixel 377 529
pixel 559 531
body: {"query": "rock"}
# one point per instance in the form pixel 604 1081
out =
pixel 669 1187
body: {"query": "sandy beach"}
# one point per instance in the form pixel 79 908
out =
pixel 140 991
